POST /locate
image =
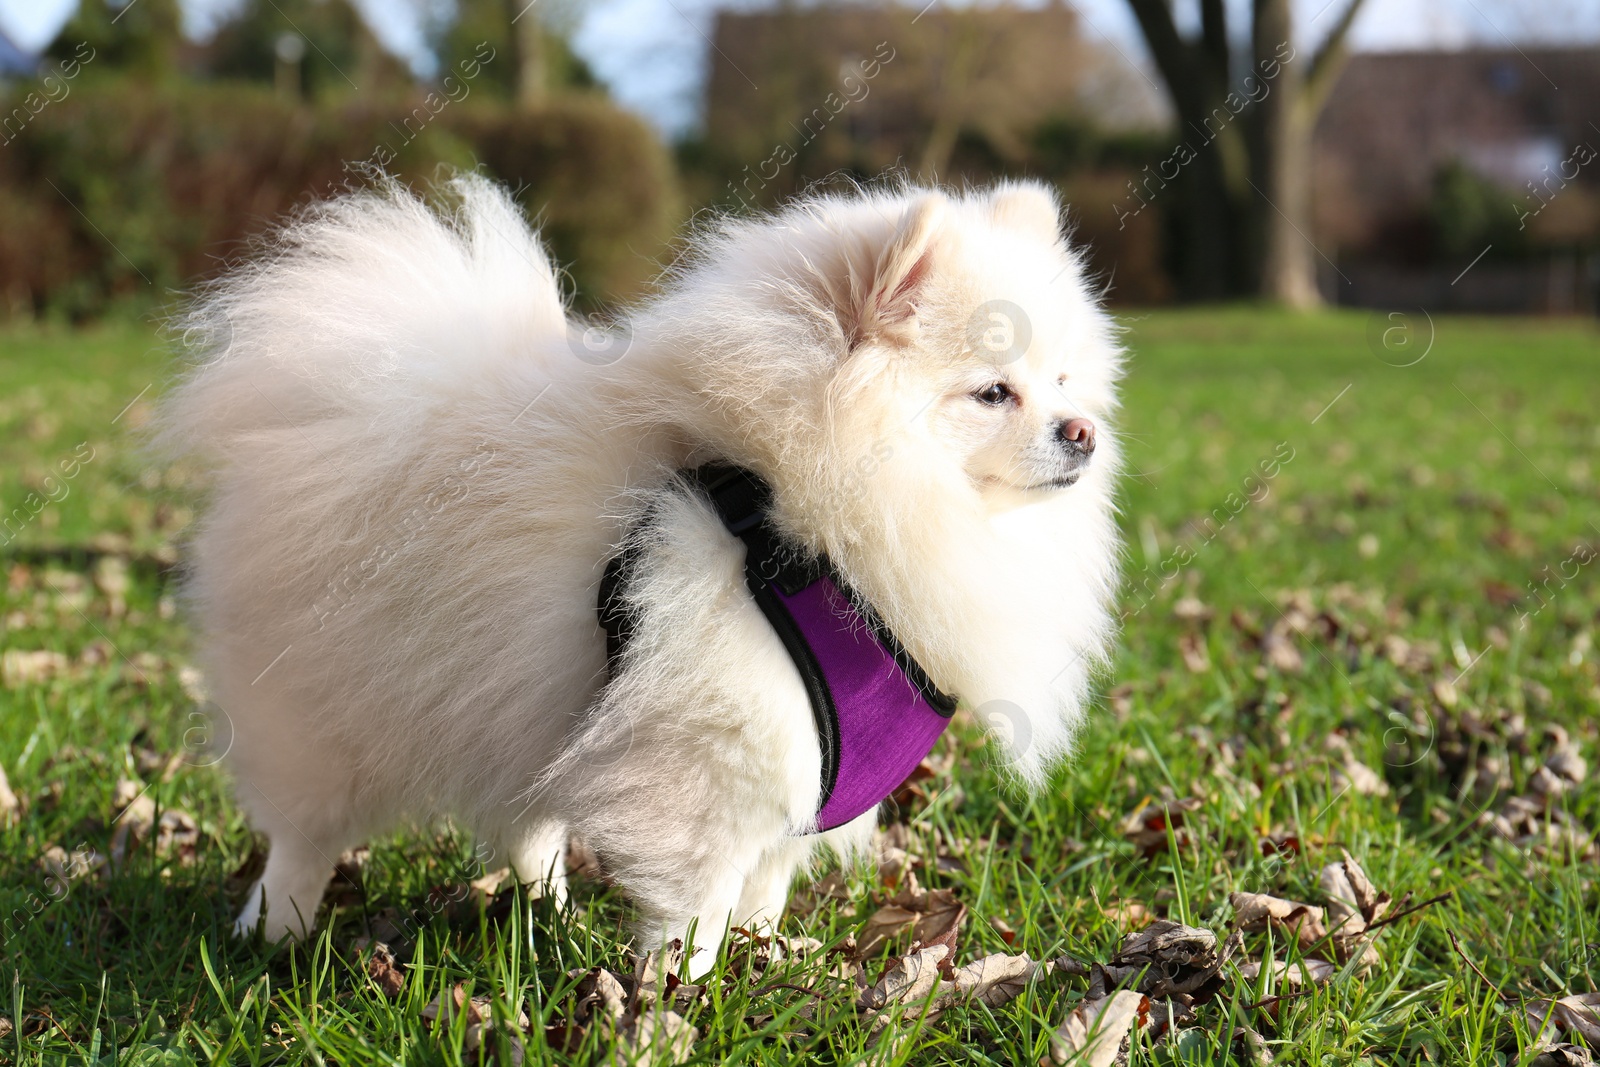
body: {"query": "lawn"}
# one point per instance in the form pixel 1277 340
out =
pixel 1359 617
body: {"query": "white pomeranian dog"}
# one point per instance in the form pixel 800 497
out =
pixel 429 484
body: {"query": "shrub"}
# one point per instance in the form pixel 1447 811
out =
pixel 126 193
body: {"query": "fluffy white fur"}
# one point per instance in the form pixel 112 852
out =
pixel 417 483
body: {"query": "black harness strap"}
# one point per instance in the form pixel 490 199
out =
pixel 743 501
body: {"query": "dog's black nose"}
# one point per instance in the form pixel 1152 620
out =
pixel 1076 435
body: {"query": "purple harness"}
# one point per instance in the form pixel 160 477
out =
pixel 877 713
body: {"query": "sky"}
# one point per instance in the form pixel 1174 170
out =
pixel 652 54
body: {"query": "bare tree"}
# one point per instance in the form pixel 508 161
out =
pixel 1243 194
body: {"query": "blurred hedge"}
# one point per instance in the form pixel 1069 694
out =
pixel 123 194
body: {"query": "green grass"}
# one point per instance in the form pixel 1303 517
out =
pixel 1438 503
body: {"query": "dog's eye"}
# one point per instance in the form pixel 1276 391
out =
pixel 994 395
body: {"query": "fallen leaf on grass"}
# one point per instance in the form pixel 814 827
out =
pixel 177 835
pixel 599 993
pixel 992 981
pixel 1354 904
pixel 1574 1016
pixel 19 667
pixel 1566 768
pixel 1168 958
pixel 1147 826
pixel 911 792
pixel 830 888
pixel 659 1033
pixel 634 1011
pixel 751 953
pixel 912 977
pixel 1257 911
pixel 1294 975
pixel 1096 1032
pixel 934 917
pixel 1191 609
pixel 136 814
pixel 1192 647
pixel 478 1012
pixel 1255 1047
pixel 1127 915
pixel 384 971
pixel 1350 774
pixel 64 868
pixel 487 885
pixel 1279 651
pixel 583 862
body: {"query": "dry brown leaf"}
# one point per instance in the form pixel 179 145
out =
pixel 830 888
pixel 598 992
pixel 750 954
pixel 64 868
pixel 583 862
pixel 911 978
pixel 1257 911
pixel 1147 826
pixel 655 974
pixel 489 884
pixel 993 980
pixel 1301 973
pixel 111 578
pixel 660 1033
pixel 1191 609
pixel 1279 650
pixel 883 926
pixel 1255 1046
pixel 1356 777
pixel 1192 647
pixel 1127 915
pixel 19 667
pixel 1568 765
pixel 932 916
pixel 1096 1032
pixel 441 1012
pixel 1168 958
pixel 1354 903
pixel 178 836
pixel 384 971
pixel 136 816
pixel 1573 1016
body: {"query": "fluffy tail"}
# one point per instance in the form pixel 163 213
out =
pixel 370 303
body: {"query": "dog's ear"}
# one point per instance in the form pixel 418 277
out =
pixel 882 298
pixel 1028 207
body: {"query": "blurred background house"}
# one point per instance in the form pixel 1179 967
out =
pixel 1209 150
pixel 1428 159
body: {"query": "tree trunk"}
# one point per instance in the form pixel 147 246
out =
pixel 1207 225
pixel 527 54
pixel 1282 205
pixel 1243 210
